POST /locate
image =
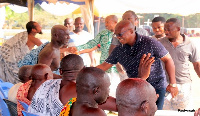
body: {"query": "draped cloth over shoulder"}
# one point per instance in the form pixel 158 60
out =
pixel 11 52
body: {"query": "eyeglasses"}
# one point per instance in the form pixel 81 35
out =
pixel 120 34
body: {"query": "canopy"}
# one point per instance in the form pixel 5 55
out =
pixel 107 7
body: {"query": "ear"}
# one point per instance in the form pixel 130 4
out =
pixel 96 90
pixel 144 106
pixel 60 70
pixel 178 28
pixel 46 76
pixel 131 30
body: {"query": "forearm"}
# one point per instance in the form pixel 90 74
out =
pixel 197 68
pixel 170 69
pixel 90 44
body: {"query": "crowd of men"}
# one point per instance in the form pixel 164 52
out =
pixel 56 78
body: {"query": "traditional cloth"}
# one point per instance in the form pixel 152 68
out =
pixel 66 109
pixel 13 50
pixel 22 96
pixel 32 57
pixel 12 93
pixel 104 38
pixel 45 101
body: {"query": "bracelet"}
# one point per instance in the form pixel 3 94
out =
pixel 98 45
pixel 173 85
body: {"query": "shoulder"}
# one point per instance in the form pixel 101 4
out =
pixel 93 112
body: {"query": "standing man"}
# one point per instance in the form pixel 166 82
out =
pixel 69 23
pixel 182 51
pixel 15 49
pixel 132 17
pixel 128 54
pixel 79 37
pixel 158 27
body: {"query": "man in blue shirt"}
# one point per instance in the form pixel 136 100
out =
pixel 129 53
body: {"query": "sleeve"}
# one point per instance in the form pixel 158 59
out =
pixel 115 41
pixel 113 57
pixel 90 44
pixel 195 56
pixel 158 49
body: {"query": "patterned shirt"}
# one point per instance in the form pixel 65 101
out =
pixel 104 38
pixel 129 57
pixel 45 101
pixel 22 96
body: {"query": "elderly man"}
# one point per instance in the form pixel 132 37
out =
pixel 24 75
pixel 128 54
pixel 136 97
pixel 69 23
pixel 48 53
pixel 92 86
pixel 39 73
pixel 182 51
pixel 15 48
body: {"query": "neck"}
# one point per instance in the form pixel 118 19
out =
pixel 32 34
pixel 133 40
pixel 77 32
pixel 55 45
pixel 160 36
pixel 85 100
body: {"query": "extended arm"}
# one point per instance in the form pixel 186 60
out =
pixel 170 69
pixel 104 66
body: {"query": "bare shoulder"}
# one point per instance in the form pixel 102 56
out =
pixel 94 112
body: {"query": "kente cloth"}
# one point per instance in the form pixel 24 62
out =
pixel 32 57
pixel 45 101
pixel 22 96
pixel 13 50
pixel 66 109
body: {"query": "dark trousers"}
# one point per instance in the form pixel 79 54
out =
pixel 160 100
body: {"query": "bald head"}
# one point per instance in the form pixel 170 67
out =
pixel 92 80
pixel 132 93
pixel 112 18
pixel 68 22
pixel 59 35
pixel 124 24
pixel 25 73
pixel 70 66
pixel 79 24
pixel 41 72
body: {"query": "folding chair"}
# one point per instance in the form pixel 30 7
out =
pixel 4 108
pixel 25 113
pixel 25 106
pixel 12 107
pixel 4 88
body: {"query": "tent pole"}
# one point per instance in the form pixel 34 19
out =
pixel 30 9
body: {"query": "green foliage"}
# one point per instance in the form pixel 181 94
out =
pixel 190 21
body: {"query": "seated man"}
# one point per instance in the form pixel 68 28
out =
pixel 15 48
pixel 92 86
pixel 24 76
pixel 136 97
pixel 39 73
pixel 54 94
pixel 48 53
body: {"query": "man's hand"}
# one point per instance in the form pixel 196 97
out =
pixel 145 66
pixel 197 112
pixel 73 50
pixel 172 90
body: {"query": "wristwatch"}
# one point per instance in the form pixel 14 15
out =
pixel 173 85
